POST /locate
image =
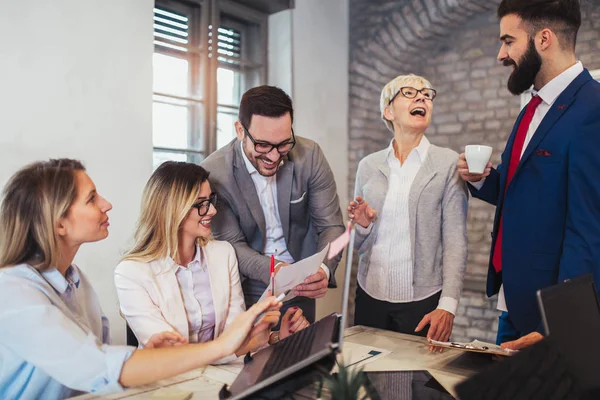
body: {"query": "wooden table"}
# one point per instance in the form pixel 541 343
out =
pixel 407 353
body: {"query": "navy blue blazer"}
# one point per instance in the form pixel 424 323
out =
pixel 551 209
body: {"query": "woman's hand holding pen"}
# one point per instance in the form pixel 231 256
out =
pixel 360 212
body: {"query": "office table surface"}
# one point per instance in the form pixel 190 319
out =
pixel 407 353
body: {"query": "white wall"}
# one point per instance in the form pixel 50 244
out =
pixel 76 79
pixel 280 51
pixel 317 34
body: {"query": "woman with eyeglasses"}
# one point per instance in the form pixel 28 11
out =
pixel 54 339
pixel 411 209
pixel 176 277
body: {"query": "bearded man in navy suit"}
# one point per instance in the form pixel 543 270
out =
pixel 547 187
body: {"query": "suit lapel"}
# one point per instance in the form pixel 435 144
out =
pixel 248 190
pixel 285 179
pixel 506 157
pixel 562 104
pixel 219 289
pixel 169 286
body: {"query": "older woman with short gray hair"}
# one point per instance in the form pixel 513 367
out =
pixel 411 209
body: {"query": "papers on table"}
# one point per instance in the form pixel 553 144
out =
pixel 476 346
pixel 356 355
pixel 294 274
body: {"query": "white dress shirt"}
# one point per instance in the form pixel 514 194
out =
pixel 390 276
pixel 194 282
pixel 154 297
pixel 266 188
pixel 549 93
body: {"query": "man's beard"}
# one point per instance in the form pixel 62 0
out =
pixel 255 159
pixel 524 74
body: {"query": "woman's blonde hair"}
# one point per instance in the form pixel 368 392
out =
pixel 34 199
pixel 167 199
pixel 392 88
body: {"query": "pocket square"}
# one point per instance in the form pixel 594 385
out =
pixel 298 200
pixel 543 153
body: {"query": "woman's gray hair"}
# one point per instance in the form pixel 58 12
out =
pixel 393 86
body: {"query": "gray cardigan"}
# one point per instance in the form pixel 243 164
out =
pixel 438 202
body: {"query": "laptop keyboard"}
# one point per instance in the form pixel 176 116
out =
pixel 290 351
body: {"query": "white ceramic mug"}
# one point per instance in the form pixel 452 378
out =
pixel 477 157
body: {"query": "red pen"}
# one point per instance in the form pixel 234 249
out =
pixel 272 275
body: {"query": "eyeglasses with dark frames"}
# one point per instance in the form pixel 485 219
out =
pixel 411 93
pixel 204 205
pixel 266 147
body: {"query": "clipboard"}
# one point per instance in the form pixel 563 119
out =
pixel 476 346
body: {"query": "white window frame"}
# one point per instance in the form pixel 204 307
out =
pixel 202 131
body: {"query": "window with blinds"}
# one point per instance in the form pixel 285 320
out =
pixel 198 79
pixel 170 29
pixel 229 46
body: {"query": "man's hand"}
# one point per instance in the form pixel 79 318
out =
pixel 463 170
pixel 522 342
pixel 165 339
pixel 440 328
pixel 361 212
pixel 315 286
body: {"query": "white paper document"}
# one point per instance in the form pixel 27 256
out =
pixel 356 355
pixel 294 274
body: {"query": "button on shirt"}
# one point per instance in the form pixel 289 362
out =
pixel 266 188
pixel 194 283
pixel 390 276
pixel 54 340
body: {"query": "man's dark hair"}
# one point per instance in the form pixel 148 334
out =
pixel 268 101
pixel 563 17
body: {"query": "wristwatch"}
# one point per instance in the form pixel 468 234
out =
pixel 274 337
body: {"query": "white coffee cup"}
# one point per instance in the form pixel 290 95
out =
pixel 477 157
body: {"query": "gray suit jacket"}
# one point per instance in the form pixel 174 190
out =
pixel 308 203
pixel 438 219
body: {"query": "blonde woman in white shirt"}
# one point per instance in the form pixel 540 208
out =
pixel 175 278
pixel 411 206
pixel 54 338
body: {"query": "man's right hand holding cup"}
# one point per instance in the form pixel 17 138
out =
pixel 478 154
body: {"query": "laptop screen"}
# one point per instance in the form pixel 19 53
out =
pixel 346 293
pixel 571 316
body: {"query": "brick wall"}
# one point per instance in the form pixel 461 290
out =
pixel 453 43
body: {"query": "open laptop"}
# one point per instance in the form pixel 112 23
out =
pixel 571 318
pixel 562 366
pixel 311 350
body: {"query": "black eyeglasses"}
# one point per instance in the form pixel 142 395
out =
pixel 266 147
pixel 204 205
pixel 411 93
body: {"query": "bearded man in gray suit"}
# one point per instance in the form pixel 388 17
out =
pixel 277 196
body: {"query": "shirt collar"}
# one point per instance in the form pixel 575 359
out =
pixel 59 282
pixel 421 149
pixel 550 92
pixel 197 260
pixel 251 169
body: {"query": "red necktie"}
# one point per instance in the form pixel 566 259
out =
pixel 515 158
